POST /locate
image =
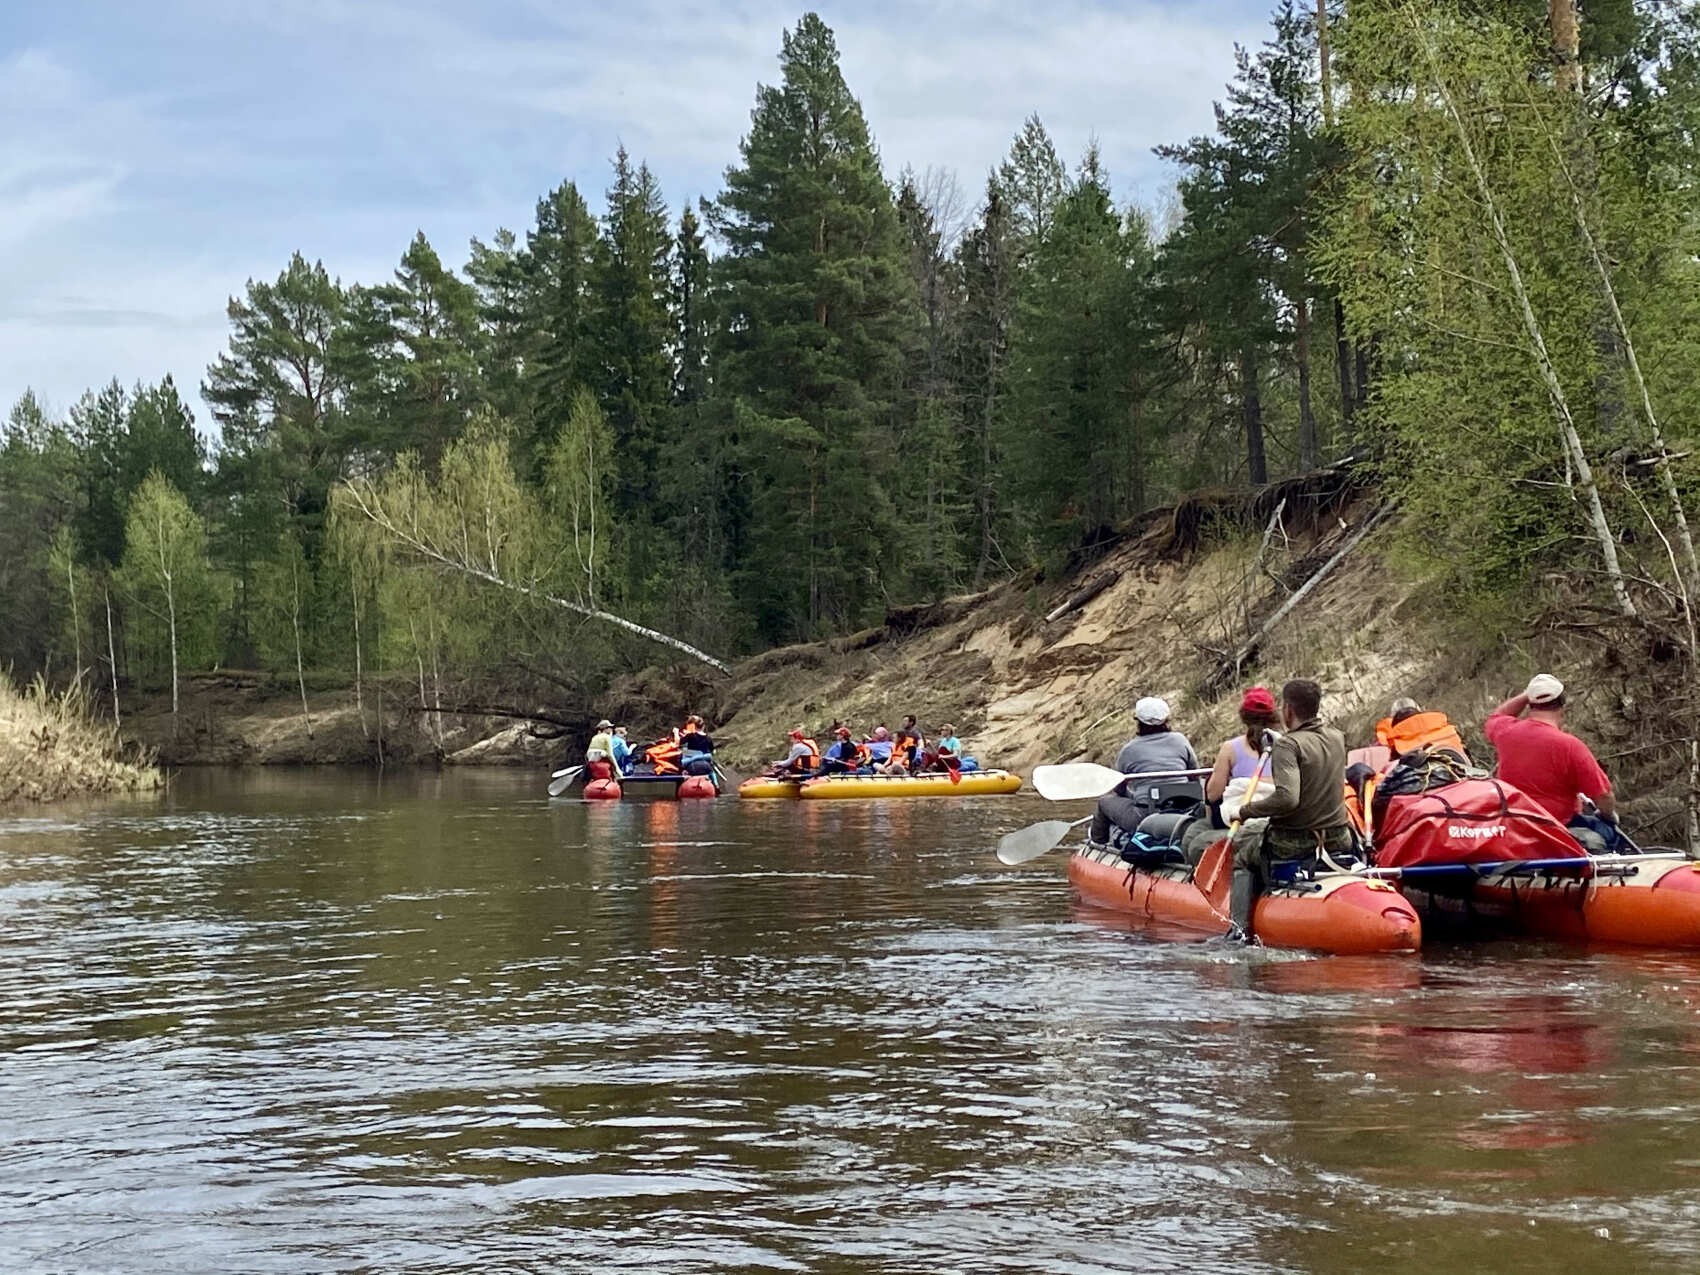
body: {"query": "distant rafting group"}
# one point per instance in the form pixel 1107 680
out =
pixel 883 763
pixel 1291 839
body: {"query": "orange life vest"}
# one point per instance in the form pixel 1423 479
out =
pixel 1419 730
pixel 812 761
pixel 664 755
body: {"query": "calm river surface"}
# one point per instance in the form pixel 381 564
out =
pixel 306 1022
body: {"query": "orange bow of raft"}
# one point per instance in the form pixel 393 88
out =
pixel 1337 912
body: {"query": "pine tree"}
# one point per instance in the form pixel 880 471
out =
pixel 426 354
pixel 559 261
pixel 278 390
pixel 817 309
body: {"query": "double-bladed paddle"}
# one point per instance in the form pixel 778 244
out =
pixel 1077 781
pixel 563 780
pixel 1035 840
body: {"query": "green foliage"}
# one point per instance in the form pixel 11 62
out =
pixel 168 576
pixel 1474 447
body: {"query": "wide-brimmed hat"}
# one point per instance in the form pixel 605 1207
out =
pixel 604 724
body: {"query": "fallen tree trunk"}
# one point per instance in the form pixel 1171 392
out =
pixel 365 498
pixel 1229 669
pixel 1081 597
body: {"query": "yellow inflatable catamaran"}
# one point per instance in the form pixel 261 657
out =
pixel 973 783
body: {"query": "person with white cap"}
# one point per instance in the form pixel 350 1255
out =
pixel 1537 755
pixel 1155 748
pixel 599 754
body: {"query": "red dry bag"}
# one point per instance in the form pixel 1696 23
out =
pixel 1474 821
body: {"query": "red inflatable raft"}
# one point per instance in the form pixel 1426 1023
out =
pixel 1650 900
pixel 1334 912
pixel 1480 854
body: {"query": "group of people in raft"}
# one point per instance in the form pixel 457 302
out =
pixel 1309 787
pixel 685 750
pixel 904 752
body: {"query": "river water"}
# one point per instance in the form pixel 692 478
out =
pixel 303 1022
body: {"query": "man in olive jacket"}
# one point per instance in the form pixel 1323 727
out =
pixel 1305 803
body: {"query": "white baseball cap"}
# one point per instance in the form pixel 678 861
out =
pixel 1544 688
pixel 1152 711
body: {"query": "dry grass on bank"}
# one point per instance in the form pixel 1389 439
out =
pixel 52 747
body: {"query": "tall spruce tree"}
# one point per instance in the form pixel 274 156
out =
pixel 987 267
pixel 632 335
pixel 1070 432
pixel 817 310
pixel 497 273
pixel 559 261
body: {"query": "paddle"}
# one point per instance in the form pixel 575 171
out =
pixel 1076 781
pixel 563 780
pixel 1035 840
pixel 1214 874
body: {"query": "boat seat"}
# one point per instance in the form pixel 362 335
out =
pixel 1166 796
pixel 1142 851
pixel 1292 871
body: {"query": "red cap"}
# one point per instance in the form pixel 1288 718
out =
pixel 844 731
pixel 1258 700
pixel 796 734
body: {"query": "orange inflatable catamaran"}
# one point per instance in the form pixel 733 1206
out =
pixel 1340 912
pixel 1481 855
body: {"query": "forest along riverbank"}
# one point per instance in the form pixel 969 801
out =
pixel 1033 670
pixel 51 749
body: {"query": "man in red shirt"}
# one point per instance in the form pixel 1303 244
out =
pixel 1537 755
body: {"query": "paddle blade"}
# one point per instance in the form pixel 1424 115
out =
pixel 1215 874
pixel 1030 843
pixel 565 780
pixel 1075 781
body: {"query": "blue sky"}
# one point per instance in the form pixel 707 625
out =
pixel 154 156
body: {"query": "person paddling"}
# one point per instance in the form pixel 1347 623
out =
pixel 803 759
pixel 1537 755
pixel 844 756
pixel 599 753
pixel 1305 804
pixel 947 755
pixel 1237 759
pixel 696 756
pixel 1155 748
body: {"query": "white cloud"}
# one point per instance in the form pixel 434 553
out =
pixel 152 161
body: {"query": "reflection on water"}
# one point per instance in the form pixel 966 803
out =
pixel 309 1022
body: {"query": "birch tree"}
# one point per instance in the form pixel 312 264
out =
pixel 165 571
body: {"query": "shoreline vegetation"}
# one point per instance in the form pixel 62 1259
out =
pixel 52 747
